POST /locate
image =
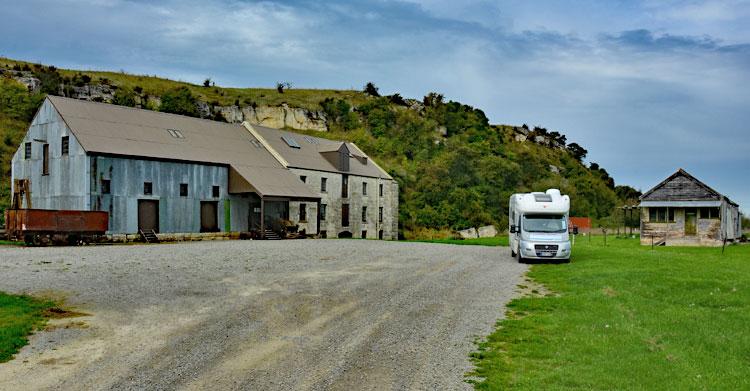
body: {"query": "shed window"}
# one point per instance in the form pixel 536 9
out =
pixel 344 186
pixel 216 191
pixel 323 185
pixel 106 186
pixel 323 210
pixel 183 189
pixel 380 214
pixel 45 161
pixel 302 212
pixel 709 213
pixel 65 145
pixel 364 188
pixel 364 214
pixel 27 151
pixel 303 178
pixel 148 188
pixel 661 215
pixel 381 189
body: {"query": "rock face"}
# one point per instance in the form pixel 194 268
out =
pixel 276 117
pixel 488 231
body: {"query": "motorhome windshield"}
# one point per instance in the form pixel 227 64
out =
pixel 545 223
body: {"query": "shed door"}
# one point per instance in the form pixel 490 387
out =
pixel 209 216
pixel 690 219
pixel 148 215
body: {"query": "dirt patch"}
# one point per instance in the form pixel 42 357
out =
pixel 531 288
pixel 62 313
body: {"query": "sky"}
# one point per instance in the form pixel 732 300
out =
pixel 646 86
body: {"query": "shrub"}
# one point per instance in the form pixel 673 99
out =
pixel 179 101
pixel 371 90
pixel 124 97
pixel 207 82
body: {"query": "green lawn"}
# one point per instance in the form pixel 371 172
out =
pixel 627 317
pixel 20 315
pixel 495 241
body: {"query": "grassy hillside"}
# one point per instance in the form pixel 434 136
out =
pixel 454 168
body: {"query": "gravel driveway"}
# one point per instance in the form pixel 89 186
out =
pixel 260 315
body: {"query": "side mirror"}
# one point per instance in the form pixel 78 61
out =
pixel 575 230
pixel 513 229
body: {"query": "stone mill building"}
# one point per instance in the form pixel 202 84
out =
pixel 177 174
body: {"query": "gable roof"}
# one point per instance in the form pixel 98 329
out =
pixel 117 130
pixel 311 153
pixel 681 186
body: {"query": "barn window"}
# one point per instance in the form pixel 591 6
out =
pixel 323 210
pixel 65 145
pixel 380 214
pixel 345 215
pixel 364 188
pixel 344 186
pixel 45 159
pixel 183 189
pixel 709 213
pixel 27 151
pixel 215 191
pixel 106 186
pixel 148 188
pixel 323 185
pixel 302 212
pixel 364 214
pixel 381 189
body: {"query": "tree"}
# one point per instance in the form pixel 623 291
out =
pixel 371 90
pixel 283 85
pixel 179 101
pixel 207 82
pixel 397 99
pixel 578 152
pixel 433 99
pixel 124 97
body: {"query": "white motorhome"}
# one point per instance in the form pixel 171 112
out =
pixel 538 225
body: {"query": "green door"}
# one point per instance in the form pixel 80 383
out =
pixel 690 219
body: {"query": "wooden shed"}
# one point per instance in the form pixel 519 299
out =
pixel 683 211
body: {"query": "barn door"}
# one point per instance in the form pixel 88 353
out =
pixel 209 216
pixel 148 215
pixel 690 219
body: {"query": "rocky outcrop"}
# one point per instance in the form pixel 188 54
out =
pixel 276 117
pixel 470 233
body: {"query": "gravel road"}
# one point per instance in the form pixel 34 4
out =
pixel 260 315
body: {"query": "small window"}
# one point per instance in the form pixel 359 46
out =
pixel 65 145
pixel 381 189
pixel 27 151
pixel 175 133
pixel 302 212
pixel 216 191
pixel 661 215
pixel 148 188
pixel 364 234
pixel 106 186
pixel 709 213
pixel 345 215
pixel 323 185
pixel 380 214
pixel 303 178
pixel 344 186
pixel 364 188
pixel 45 161
pixel 364 214
pixel 323 210
pixel 183 190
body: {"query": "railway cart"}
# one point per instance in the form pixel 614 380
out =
pixel 43 227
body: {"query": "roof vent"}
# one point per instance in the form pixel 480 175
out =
pixel 291 142
pixel 256 143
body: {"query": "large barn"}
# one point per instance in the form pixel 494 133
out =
pixel 177 174
pixel 683 211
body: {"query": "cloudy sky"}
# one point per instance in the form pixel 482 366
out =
pixel 646 86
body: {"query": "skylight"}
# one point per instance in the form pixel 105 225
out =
pixel 290 141
pixel 175 133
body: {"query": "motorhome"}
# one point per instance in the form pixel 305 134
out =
pixel 538 225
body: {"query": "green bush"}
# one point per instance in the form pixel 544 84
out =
pixel 124 97
pixel 179 101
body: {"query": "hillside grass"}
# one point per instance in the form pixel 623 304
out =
pixel 627 317
pixel 20 316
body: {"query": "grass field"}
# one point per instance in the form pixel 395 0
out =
pixel 495 241
pixel 20 315
pixel 627 317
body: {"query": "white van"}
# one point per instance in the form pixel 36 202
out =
pixel 538 225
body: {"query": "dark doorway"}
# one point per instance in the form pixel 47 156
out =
pixel 209 216
pixel 148 215
pixel 345 215
pixel 690 220
pixel 380 234
pixel 345 235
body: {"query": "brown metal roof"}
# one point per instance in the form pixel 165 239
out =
pixel 309 155
pixel 110 129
